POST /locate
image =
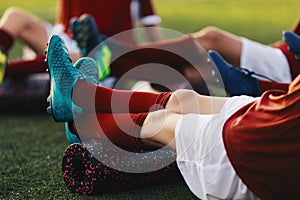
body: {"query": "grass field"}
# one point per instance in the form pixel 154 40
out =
pixel 31 145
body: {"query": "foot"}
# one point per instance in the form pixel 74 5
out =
pixel 3 64
pixel 293 41
pixel 88 70
pixel 86 33
pixel 63 77
pixel 237 81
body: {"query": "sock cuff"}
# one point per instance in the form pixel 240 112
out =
pixel 6 40
pixel 162 100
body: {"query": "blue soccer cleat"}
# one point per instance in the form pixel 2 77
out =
pixel 88 70
pixel 78 36
pixel 85 33
pixel 63 77
pixel 237 81
pixel 293 41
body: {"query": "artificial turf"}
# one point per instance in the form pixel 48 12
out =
pixel 32 145
pixel 31 149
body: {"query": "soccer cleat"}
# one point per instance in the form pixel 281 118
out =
pixel 85 33
pixel 78 36
pixel 293 41
pixel 237 81
pixel 63 77
pixel 3 64
pixel 88 70
pixel 89 41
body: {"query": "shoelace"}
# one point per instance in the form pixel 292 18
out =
pixel 254 74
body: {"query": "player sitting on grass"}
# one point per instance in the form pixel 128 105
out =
pixel 251 144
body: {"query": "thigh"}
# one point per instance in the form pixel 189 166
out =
pixel 27 27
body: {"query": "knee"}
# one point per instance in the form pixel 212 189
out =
pixel 154 123
pixel 179 97
pixel 159 129
pixel 184 93
pixel 13 12
pixel 212 32
pixel 209 36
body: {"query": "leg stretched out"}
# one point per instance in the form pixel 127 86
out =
pixel 67 92
pixel 192 135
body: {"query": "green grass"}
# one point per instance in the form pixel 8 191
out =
pixel 261 20
pixel 31 146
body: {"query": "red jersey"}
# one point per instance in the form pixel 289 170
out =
pixel 262 141
pixel 112 16
pixel 293 62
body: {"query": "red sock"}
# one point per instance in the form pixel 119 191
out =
pixel 268 85
pixel 122 129
pixel 6 40
pixel 26 67
pixel 106 100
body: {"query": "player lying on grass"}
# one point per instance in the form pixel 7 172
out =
pixel 227 148
pixel 18 24
pixel 274 61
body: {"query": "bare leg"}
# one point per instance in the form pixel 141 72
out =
pixel 24 26
pixel 28 28
pixel 188 101
pixel 227 44
pixel 159 129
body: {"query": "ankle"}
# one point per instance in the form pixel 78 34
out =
pixel 72 128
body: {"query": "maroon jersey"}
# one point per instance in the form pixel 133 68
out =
pixel 112 16
pixel 262 141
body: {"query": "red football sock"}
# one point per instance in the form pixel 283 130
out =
pixel 107 100
pixel 6 40
pixel 26 67
pixel 268 85
pixel 122 129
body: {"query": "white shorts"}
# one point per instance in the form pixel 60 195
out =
pixel 265 60
pixel 202 158
pixel 57 29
